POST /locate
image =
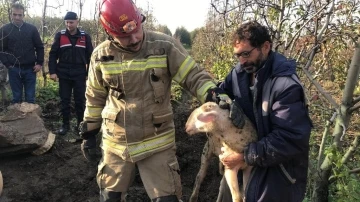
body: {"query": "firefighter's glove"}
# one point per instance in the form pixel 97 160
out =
pixel 219 96
pixel 88 148
pixel 237 115
pixel 88 131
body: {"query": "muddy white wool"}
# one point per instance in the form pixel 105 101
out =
pixel 223 139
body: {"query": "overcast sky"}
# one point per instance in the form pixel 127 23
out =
pixel 174 13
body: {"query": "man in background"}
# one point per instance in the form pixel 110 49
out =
pixel 69 58
pixel 22 52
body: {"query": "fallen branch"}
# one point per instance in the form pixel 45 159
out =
pixel 354 171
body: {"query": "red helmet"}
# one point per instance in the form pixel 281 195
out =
pixel 120 17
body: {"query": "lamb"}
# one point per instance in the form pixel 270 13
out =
pixel 223 139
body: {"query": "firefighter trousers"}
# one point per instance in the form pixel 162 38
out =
pixel 159 173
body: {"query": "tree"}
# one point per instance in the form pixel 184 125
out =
pixel 321 36
pixel 183 35
pixel 163 29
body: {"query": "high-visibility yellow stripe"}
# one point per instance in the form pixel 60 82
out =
pixel 97 67
pixel 118 67
pixel 93 111
pixel 184 69
pixel 151 144
pixel 202 91
pixel 139 148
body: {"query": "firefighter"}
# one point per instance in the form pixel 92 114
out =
pixel 128 96
pixel 68 60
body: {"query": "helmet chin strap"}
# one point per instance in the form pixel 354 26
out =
pixel 143 18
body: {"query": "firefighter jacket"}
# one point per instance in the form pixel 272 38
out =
pixel 70 54
pixel 130 94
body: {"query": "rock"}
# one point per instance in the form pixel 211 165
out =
pixel 22 130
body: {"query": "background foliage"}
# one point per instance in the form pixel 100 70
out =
pixel 322 36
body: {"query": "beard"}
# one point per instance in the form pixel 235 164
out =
pixel 253 66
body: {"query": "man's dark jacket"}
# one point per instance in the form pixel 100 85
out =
pixel 18 45
pixel 277 109
pixel 69 62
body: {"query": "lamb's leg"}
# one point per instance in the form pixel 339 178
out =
pixel 231 175
pixel 232 180
pixel 205 156
pixel 224 191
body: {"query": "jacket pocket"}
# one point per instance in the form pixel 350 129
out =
pixel 100 179
pixel 163 120
pixel 286 174
pixel 109 116
pixel 157 81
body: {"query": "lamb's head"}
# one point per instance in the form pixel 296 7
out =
pixel 207 118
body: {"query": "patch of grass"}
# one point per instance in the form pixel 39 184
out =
pixel 47 93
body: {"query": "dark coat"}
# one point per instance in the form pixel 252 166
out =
pixel 277 108
pixel 21 46
pixel 69 61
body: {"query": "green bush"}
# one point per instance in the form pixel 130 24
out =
pixel 46 93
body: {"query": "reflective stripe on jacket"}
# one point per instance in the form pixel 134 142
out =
pixel 130 93
pixel 65 41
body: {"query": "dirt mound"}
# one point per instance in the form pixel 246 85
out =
pixel 63 175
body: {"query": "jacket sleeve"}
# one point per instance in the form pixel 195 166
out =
pixel 39 47
pixel 95 94
pixel 187 73
pixel 290 131
pixel 3 47
pixel 54 53
pixel 89 49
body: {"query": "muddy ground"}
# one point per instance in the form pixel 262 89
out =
pixel 63 175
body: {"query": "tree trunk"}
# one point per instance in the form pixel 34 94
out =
pixel 43 39
pixel 321 185
pixel 321 190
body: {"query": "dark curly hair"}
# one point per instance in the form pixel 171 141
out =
pixel 254 32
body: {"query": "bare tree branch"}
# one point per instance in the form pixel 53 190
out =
pixel 354 171
pixel 324 137
pixel 351 150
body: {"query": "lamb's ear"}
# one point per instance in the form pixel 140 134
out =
pixel 207 117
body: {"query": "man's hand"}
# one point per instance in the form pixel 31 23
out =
pixel 88 148
pixel 37 68
pixel 230 160
pixel 53 77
